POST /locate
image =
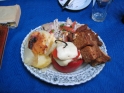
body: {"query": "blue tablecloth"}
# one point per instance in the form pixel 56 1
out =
pixel 15 78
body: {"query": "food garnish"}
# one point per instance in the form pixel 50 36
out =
pixel 54 43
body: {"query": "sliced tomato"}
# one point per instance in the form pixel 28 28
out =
pixel 66 28
pixel 72 66
pixel 54 53
pixel 52 31
pixel 77 55
pixel 73 24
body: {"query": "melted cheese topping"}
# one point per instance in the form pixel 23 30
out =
pixel 69 52
pixel 66 54
pixel 63 62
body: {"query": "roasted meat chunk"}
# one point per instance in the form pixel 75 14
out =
pixel 89 44
pixel 89 53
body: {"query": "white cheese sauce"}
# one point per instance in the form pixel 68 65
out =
pixel 63 62
pixel 68 52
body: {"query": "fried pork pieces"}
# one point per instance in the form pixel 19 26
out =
pixel 88 43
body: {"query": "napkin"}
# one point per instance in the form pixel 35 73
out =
pixel 10 15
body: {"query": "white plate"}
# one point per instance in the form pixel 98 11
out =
pixel 76 4
pixel 50 75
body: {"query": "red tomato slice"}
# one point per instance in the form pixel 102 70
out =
pixel 72 66
pixel 66 28
pixel 73 24
pixel 77 55
pixel 54 53
pixel 52 31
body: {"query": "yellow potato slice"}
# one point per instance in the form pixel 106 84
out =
pixel 51 44
pixel 29 57
pixel 39 56
pixel 43 61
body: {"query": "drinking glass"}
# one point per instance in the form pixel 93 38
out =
pixel 99 10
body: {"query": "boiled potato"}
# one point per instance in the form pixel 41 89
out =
pixel 39 55
pixel 29 57
pixel 43 61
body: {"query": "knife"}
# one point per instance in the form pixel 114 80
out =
pixel 3 36
pixel 67 3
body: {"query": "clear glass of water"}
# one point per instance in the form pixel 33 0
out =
pixel 99 10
